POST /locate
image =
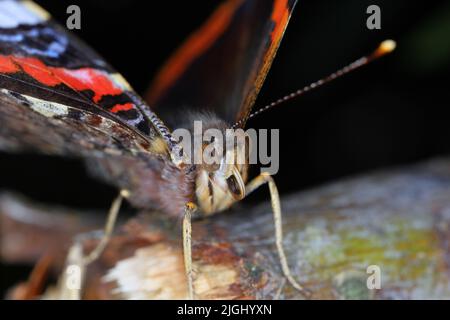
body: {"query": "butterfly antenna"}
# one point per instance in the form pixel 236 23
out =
pixel 385 47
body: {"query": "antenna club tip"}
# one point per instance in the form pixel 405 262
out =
pixel 388 45
pixel 385 47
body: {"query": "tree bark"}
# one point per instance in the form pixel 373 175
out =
pixel 337 237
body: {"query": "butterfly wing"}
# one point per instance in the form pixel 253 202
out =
pixel 60 97
pixel 222 66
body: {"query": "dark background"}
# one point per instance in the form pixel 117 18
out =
pixel 392 112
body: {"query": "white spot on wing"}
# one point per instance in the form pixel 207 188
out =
pixel 14 13
pixel 46 108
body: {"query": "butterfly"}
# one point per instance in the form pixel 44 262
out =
pixel 57 96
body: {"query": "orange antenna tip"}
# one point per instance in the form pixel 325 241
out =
pixel 385 47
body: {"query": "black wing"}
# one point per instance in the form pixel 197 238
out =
pixel 222 66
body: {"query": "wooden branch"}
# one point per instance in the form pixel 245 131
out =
pixel 397 220
pixel 29 231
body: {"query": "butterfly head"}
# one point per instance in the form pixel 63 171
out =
pixel 220 185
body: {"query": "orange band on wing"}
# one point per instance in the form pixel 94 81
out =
pixel 122 107
pixel 7 65
pixel 280 16
pixel 78 79
pixel 195 46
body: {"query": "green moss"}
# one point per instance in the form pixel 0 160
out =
pixel 401 248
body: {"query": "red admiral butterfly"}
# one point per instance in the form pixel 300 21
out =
pixel 59 97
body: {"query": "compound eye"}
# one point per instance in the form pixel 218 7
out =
pixel 236 185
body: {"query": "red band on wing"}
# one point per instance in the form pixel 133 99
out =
pixel 122 107
pixel 280 16
pixel 199 42
pixel 7 66
pixel 78 79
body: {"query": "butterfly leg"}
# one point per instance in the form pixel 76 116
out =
pixel 264 178
pixel 189 209
pixel 108 229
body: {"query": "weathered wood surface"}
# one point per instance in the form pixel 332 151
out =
pixel 396 219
